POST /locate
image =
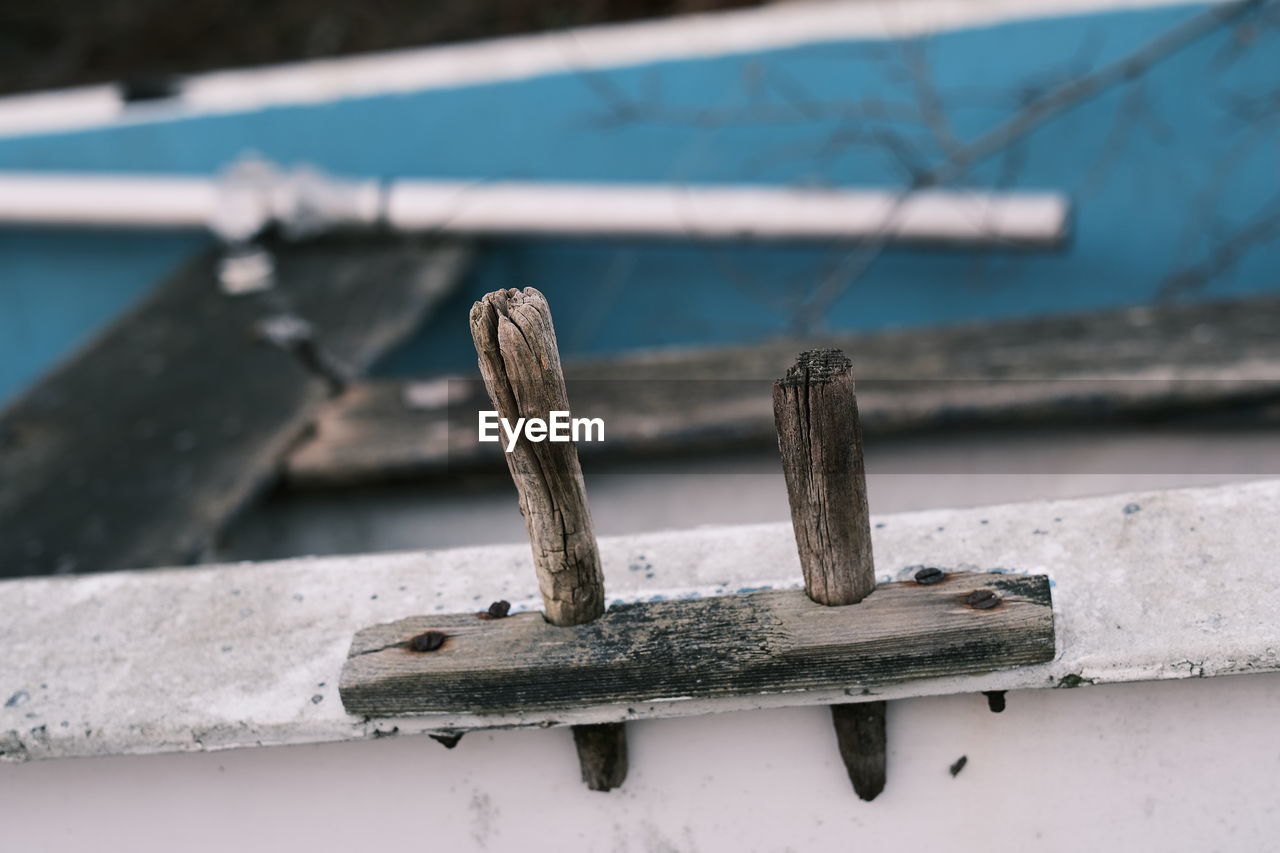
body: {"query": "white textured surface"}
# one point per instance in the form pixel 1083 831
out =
pixel 1169 767
pixel 1159 585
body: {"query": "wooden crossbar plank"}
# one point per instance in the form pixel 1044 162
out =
pixel 735 645
pixel 1110 363
pixel 135 451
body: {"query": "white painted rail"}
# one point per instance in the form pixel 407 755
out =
pixel 728 212
pixel 118 201
pixel 255 194
pixel 1149 586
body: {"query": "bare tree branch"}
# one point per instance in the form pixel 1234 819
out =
pixel 1066 96
pixel 1229 251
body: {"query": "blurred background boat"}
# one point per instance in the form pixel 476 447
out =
pixel 1169 167
pixel 1075 199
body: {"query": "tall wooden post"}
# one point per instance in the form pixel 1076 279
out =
pixel 820 441
pixel 520 362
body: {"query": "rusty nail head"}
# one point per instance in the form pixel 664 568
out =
pixel 929 575
pixel 983 599
pixel 428 641
pixel 499 609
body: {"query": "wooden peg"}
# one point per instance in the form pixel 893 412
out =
pixel 860 737
pixel 820 441
pixel 520 362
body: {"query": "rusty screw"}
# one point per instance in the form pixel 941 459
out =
pixel 983 599
pixel 928 576
pixel 428 642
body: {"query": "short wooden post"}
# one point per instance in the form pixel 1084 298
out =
pixel 520 363
pixel 820 441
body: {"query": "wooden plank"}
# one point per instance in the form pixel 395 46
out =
pixel 734 645
pixel 136 450
pixel 1108 364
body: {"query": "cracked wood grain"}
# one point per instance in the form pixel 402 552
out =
pixel 516 345
pixel 519 360
pixel 820 441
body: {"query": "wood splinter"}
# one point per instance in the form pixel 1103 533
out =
pixel 820 442
pixel 520 362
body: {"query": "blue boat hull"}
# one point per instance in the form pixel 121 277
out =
pixel 1159 171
